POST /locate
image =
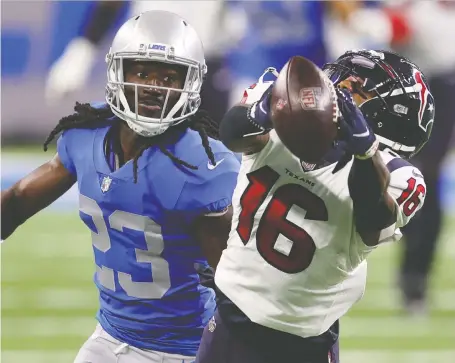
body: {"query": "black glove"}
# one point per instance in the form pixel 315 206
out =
pixel 354 129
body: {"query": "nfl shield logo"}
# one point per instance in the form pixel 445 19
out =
pixel 106 183
pixel 307 166
pixel 310 98
pixel 212 324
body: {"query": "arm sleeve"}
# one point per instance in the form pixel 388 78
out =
pixel 63 153
pixel 102 18
pixel 210 193
pixel 237 123
pixel 407 188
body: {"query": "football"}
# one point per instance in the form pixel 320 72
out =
pixel 304 109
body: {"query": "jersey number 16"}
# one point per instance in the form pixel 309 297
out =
pixel 274 223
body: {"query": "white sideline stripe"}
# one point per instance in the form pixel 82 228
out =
pixel 38 356
pixel 23 275
pixel 389 299
pixel 350 356
pixel 48 326
pixel 395 327
pixel 380 356
pixel 389 249
pixel 78 245
pixel 14 298
pixel 50 245
pixel 353 327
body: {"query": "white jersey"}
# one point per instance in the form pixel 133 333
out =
pixel 294 260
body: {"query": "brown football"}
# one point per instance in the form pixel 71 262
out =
pixel 304 110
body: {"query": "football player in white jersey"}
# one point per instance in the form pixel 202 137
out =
pixel 301 233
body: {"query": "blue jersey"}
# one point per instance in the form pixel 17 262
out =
pixel 276 31
pixel 149 291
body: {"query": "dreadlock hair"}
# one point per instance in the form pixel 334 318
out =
pixel 89 117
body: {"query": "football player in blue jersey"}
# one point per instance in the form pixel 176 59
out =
pixel 155 190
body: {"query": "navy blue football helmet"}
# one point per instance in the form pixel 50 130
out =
pixel 401 111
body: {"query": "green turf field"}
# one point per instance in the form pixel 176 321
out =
pixel 49 301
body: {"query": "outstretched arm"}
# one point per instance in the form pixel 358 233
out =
pixel 33 193
pixel 103 16
pixel 374 208
pixel 240 134
pixel 245 127
pixel 369 178
pixel 72 70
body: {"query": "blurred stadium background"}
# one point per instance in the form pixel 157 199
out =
pixel 47 298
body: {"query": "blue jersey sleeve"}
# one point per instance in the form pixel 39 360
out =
pixel 210 189
pixel 64 154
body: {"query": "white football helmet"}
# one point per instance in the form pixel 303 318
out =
pixel 157 36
